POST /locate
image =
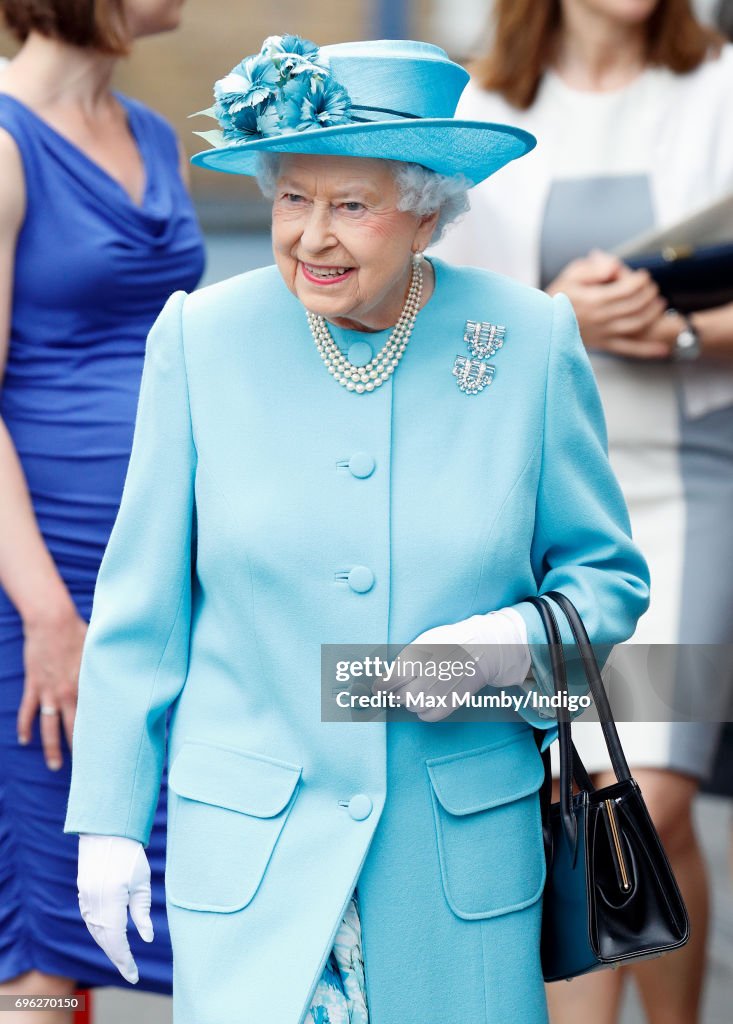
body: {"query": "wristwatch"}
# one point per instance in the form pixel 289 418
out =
pixel 687 346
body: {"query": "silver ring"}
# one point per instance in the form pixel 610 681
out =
pixel 47 709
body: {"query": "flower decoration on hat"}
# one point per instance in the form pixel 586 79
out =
pixel 286 87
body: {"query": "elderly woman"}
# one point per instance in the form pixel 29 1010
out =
pixel 355 446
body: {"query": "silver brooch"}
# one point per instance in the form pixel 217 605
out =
pixel 484 340
pixel 473 374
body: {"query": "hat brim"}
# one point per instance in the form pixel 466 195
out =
pixel 475 149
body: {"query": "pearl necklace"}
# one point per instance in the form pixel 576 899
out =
pixel 383 365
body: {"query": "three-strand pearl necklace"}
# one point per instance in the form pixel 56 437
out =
pixel 383 365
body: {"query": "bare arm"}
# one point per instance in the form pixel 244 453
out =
pixel 27 571
pixel 715 327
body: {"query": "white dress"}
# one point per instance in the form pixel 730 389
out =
pixel 598 169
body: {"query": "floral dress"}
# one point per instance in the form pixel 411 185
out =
pixel 340 995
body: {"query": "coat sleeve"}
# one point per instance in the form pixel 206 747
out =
pixel 582 542
pixel 135 655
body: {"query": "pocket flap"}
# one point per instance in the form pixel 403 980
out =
pixel 239 780
pixel 476 780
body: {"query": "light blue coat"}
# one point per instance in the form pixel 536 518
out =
pixel 256 484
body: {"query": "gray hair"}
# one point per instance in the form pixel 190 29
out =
pixel 421 191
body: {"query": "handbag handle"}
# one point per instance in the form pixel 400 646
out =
pixel 570 761
pixel 559 677
pixel 595 684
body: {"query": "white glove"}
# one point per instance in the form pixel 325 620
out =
pixel 496 642
pixel 114 872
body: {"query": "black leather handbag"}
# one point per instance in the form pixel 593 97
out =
pixel 610 896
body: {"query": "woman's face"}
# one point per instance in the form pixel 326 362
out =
pixel 342 246
pixel 148 17
pixel 627 12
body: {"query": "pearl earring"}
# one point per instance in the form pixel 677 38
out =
pixel 418 257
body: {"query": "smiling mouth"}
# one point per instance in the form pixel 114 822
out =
pixel 324 275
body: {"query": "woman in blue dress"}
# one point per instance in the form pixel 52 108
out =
pixel 96 231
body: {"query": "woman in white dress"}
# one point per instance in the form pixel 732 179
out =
pixel 631 104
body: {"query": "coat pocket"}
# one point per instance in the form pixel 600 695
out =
pixel 488 826
pixel 228 810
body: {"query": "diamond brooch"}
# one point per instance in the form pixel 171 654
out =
pixel 473 374
pixel 484 340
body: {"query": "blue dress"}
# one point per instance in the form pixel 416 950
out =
pixel 92 272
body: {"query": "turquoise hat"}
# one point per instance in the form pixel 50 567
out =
pixel 388 99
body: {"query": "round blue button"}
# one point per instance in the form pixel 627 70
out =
pixel 360 353
pixel 361 464
pixel 360 807
pixel 361 579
